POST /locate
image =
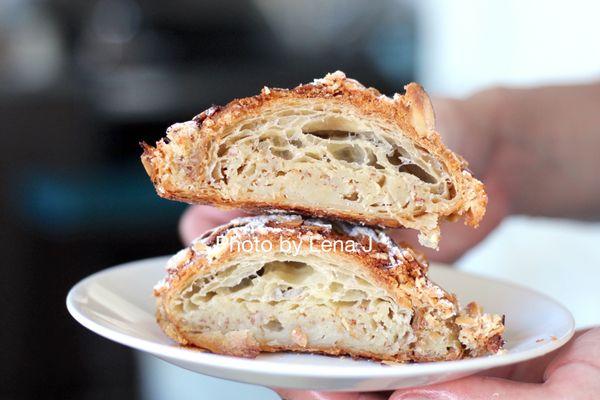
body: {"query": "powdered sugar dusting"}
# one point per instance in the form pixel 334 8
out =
pixel 210 248
pixel 276 223
pixel 396 254
pixel 336 79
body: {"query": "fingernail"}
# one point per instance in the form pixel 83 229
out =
pixel 422 395
pixel 371 396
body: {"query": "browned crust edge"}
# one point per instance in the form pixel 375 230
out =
pixel 406 268
pixel 389 273
pixel 412 113
pixel 251 348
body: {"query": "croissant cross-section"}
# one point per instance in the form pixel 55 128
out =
pixel 286 283
pixel 331 148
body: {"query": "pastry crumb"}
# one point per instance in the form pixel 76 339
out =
pixel 299 337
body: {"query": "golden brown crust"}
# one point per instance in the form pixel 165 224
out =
pixel 389 263
pixel 395 268
pixel 411 113
pixel 219 346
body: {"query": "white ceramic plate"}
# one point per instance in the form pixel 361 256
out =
pixel 117 304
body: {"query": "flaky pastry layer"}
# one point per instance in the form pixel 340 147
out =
pixel 321 287
pixel 332 148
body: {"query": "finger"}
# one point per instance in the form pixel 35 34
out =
pixel 198 219
pixel 531 371
pixel 573 373
pixel 457 238
pixel 464 132
pixel 477 388
pixel 577 366
pixel 315 395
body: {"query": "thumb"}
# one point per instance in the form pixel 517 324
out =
pixel 476 388
pixel 573 373
pixel 286 394
pixel 198 219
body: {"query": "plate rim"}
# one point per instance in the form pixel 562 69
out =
pixel 313 371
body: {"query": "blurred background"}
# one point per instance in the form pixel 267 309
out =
pixel 81 83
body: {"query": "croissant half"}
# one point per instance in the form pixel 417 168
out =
pixel 331 148
pixel 230 293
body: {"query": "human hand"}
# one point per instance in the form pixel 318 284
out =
pixel 469 137
pixel 513 166
pixel 572 372
pixel 198 219
pixel 470 128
